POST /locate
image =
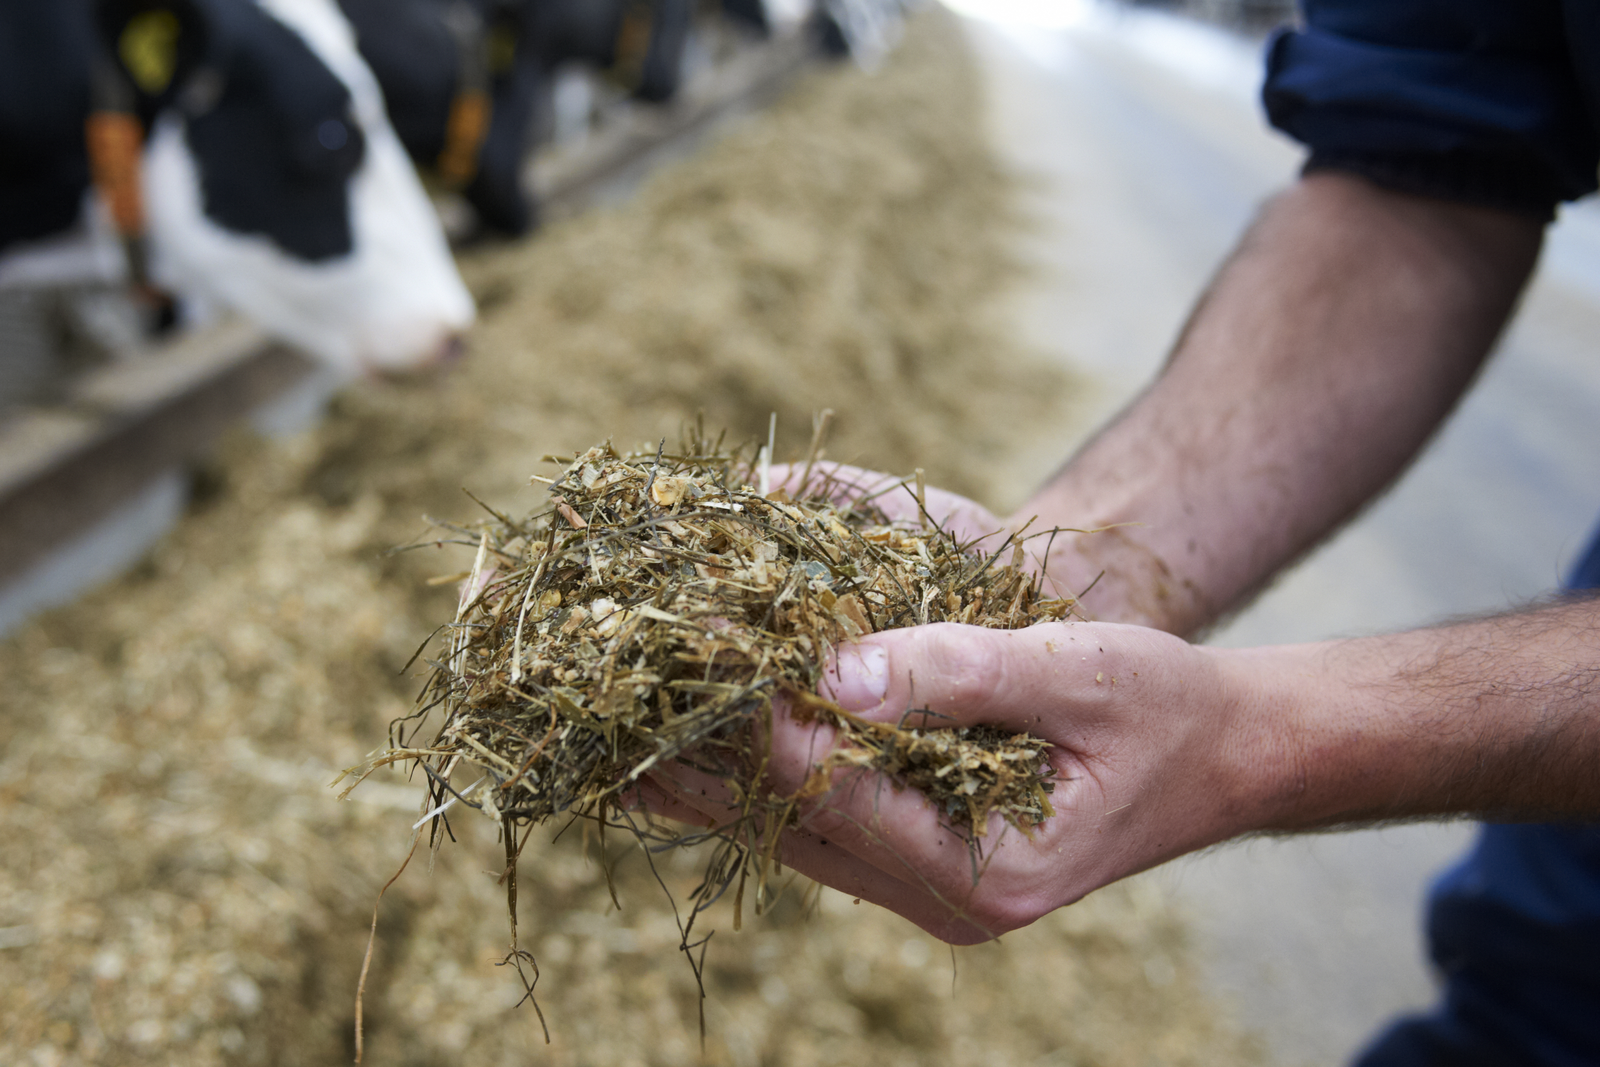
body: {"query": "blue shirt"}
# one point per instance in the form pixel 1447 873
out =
pixel 1493 102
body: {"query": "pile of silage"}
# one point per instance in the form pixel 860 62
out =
pixel 179 887
pixel 657 608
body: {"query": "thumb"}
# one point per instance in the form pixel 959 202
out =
pixel 961 674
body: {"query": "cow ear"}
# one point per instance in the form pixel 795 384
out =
pixel 156 43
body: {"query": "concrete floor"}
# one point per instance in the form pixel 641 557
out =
pixel 1145 154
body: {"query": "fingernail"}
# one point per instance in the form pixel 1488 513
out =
pixel 859 677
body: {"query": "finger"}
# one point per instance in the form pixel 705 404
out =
pixel 697 799
pixel 469 587
pixel 839 482
pixel 965 520
pixel 659 798
pixel 708 798
pixel 825 861
pixel 797 749
pixel 861 835
pixel 964 675
pixel 849 820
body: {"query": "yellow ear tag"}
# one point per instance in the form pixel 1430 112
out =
pixel 148 49
pixel 502 48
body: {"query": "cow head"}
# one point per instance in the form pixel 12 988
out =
pixel 274 184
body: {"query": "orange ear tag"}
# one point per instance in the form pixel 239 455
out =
pixel 463 136
pixel 115 142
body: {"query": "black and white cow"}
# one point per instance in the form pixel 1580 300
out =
pixel 638 43
pixel 762 16
pixel 433 57
pixel 271 181
pixel 462 89
pixel 45 51
pixel 863 30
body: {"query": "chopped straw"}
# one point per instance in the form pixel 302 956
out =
pixel 657 610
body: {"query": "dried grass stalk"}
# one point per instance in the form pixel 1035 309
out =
pixel 657 608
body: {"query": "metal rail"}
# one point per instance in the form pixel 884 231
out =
pixel 64 469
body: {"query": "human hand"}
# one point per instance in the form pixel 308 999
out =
pixel 966 520
pixel 1068 560
pixel 1158 751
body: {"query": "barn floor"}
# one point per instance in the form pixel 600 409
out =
pixel 181 887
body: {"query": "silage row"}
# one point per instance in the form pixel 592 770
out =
pixel 179 887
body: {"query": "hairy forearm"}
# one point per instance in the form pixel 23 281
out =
pixel 1497 718
pixel 1330 346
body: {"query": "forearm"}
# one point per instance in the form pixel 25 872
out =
pixel 1329 347
pixel 1498 718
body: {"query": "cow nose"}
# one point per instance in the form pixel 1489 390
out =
pixel 452 350
pixel 441 352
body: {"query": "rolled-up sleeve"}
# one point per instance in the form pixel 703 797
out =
pixel 1471 100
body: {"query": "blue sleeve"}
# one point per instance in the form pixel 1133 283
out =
pixel 1471 100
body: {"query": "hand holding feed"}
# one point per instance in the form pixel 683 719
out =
pixel 1151 758
pixel 1062 683
pixel 966 520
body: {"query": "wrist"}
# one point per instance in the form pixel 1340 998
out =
pixel 1328 739
pixel 1114 574
pixel 1272 733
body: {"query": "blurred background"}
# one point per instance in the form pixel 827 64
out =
pixel 278 280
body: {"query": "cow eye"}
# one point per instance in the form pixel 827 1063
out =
pixel 333 134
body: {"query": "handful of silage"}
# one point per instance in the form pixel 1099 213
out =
pixel 657 608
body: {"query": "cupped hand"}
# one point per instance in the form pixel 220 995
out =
pixel 1159 749
pixel 974 526
pixel 966 520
